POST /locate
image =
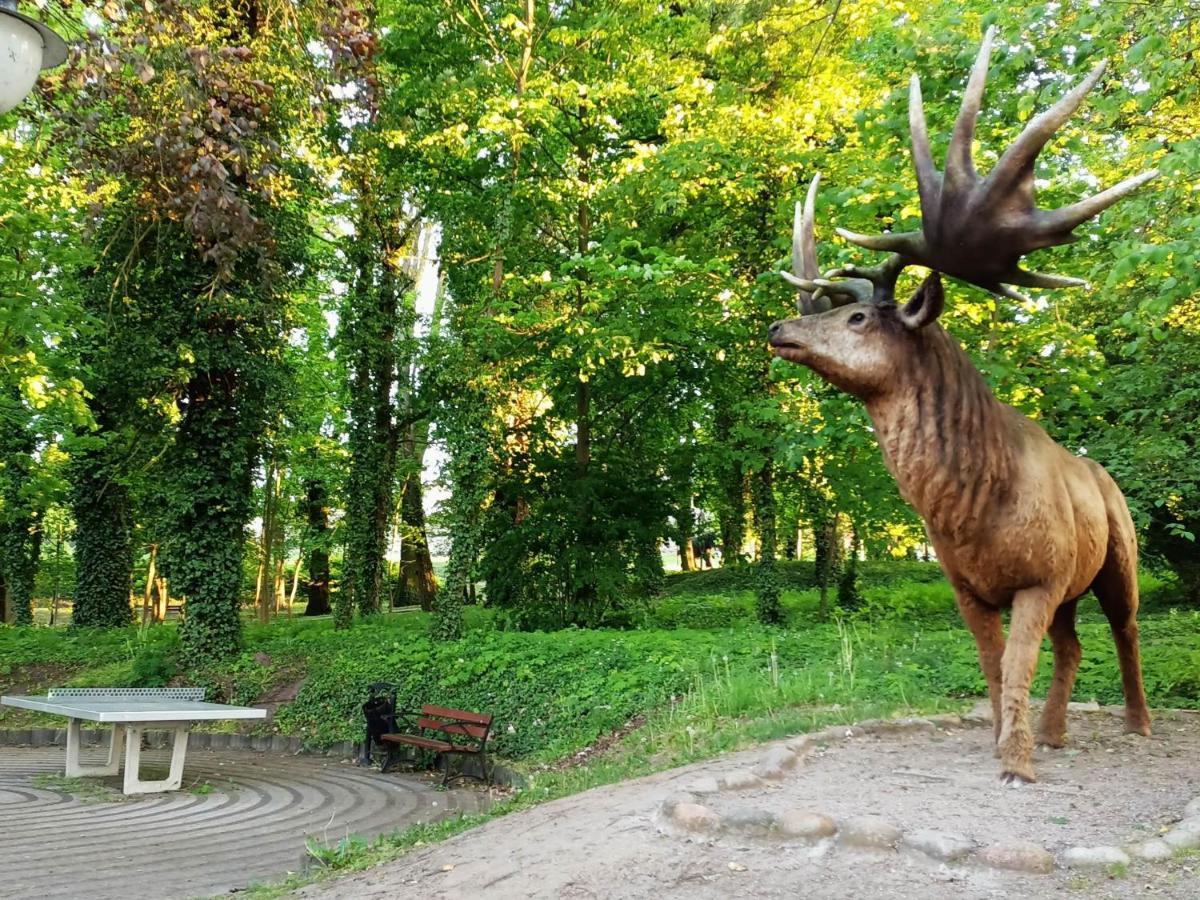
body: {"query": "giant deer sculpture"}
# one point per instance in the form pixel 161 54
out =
pixel 1018 522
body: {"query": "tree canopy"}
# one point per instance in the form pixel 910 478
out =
pixel 278 276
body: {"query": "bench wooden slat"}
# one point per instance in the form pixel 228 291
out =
pixel 414 740
pixel 466 729
pixel 461 715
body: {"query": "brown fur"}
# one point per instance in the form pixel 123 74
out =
pixel 1018 522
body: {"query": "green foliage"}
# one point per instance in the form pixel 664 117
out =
pixel 103 551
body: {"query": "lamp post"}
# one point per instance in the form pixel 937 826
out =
pixel 26 47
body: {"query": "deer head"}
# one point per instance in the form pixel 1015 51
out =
pixel 975 229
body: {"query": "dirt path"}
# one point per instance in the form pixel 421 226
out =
pixel 628 840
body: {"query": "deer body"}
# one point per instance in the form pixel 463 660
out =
pixel 1018 522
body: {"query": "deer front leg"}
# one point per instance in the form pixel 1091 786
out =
pixel 1031 612
pixel 984 622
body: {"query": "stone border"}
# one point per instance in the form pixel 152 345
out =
pixel 685 814
pixel 279 744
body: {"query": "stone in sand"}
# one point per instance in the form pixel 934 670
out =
pixel 705 785
pixel 939 844
pixel 1192 810
pixel 749 821
pixel 979 714
pixel 871 832
pixel 1185 835
pixel 1019 856
pixel 1152 850
pixel 741 780
pixel 691 816
pixel 802 823
pixel 776 763
pixel 1088 857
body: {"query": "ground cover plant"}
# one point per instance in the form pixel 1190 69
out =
pixel 555 693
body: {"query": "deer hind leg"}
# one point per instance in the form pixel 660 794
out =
pixel 1052 731
pixel 1031 612
pixel 985 625
pixel 1117 590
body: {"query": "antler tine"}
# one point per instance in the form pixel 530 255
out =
pixel 804 253
pixel 1017 161
pixel 903 242
pixel 1042 279
pixel 960 168
pixel 929 180
pixel 1067 217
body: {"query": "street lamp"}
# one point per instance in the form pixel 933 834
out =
pixel 26 47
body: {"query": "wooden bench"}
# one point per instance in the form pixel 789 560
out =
pixel 447 732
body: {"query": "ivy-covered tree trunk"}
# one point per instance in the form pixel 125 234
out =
pixel 417 584
pixel 20 527
pixel 208 503
pixel 103 541
pixel 733 517
pixel 767 589
pixel 369 341
pixel 825 535
pixel 317 505
pixel 467 468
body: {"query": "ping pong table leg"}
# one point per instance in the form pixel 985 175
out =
pixel 133 751
pixel 76 770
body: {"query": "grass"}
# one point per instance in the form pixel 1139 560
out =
pixel 90 790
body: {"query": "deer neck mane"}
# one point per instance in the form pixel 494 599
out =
pixel 946 439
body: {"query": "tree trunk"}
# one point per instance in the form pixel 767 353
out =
pixel 318 556
pixel 103 544
pixel 148 594
pixel 417 584
pixel 767 604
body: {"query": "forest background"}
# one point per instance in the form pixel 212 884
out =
pixel 274 271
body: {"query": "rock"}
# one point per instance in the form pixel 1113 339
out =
pixel 871 832
pixel 1087 857
pixel 750 821
pixel 979 714
pixel 705 785
pixel 911 724
pixel 1184 836
pixel 1152 850
pixel 690 815
pixel 741 780
pixel 802 823
pixel 776 763
pixel 946 720
pixel 800 746
pixel 1019 856
pixel 1088 706
pixel 1192 810
pixel 939 844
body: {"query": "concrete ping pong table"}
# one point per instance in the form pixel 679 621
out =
pixel 132 711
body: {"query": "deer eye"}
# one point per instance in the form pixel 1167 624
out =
pixel 858 317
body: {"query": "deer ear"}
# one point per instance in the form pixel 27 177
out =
pixel 926 304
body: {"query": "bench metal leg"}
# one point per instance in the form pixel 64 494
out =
pixel 76 770
pixel 133 757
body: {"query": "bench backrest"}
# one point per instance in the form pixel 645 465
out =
pixel 174 693
pixel 455 721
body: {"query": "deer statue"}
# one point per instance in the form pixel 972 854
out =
pixel 1018 522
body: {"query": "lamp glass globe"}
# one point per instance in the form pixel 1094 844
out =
pixel 20 60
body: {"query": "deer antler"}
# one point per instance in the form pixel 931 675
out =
pixel 974 229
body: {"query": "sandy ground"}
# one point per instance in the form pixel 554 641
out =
pixel 1105 788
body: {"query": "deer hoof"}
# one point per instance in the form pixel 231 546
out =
pixel 1017 779
pixel 1051 741
pixel 1137 726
